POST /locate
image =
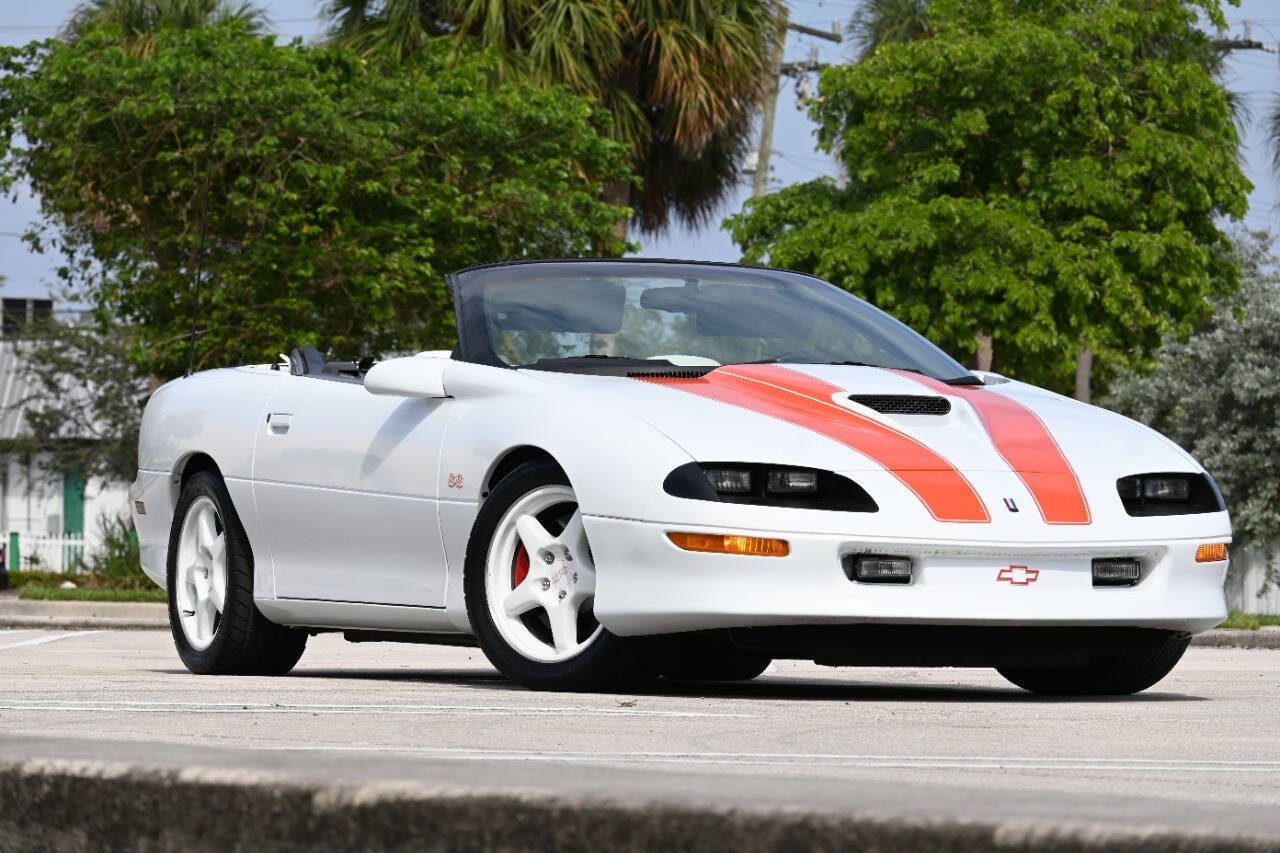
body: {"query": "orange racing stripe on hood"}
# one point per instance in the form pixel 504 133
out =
pixel 807 402
pixel 1027 446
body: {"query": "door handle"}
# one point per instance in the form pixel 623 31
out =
pixel 279 422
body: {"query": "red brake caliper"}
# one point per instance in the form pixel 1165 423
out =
pixel 520 570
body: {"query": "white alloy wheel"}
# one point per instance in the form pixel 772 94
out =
pixel 201 573
pixel 540 582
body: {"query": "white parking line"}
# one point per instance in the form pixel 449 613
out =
pixel 879 762
pixel 39 641
pixel 160 707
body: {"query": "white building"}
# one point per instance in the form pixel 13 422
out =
pixel 44 507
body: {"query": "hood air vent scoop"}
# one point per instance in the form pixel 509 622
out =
pixel 903 404
pixel 678 373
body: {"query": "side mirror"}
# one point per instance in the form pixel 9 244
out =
pixel 414 376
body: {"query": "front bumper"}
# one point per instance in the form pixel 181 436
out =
pixel 648 586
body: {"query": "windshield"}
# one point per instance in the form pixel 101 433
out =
pixel 562 315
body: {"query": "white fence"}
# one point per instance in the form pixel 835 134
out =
pixel 1247 587
pixel 64 553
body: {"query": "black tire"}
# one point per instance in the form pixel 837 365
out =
pixel 610 663
pixel 712 658
pixel 244 642
pixel 1111 675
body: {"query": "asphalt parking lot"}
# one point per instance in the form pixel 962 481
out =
pixel 1199 753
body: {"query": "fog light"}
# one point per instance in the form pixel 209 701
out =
pixel 792 482
pixel 1116 571
pixel 1166 488
pixel 733 481
pixel 714 543
pixel 1215 553
pixel 868 568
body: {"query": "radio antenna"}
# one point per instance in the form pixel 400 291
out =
pixel 204 221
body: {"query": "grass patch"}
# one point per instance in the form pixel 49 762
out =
pixel 22 577
pixel 53 593
pixel 1248 621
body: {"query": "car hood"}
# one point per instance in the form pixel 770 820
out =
pixel 783 424
pixel 854 419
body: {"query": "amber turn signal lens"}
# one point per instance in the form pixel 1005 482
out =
pixel 1211 553
pixel 713 543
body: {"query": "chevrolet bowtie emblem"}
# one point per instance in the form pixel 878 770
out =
pixel 1018 575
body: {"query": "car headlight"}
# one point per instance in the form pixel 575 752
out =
pixel 768 485
pixel 1169 494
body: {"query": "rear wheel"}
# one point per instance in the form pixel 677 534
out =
pixel 216 627
pixel 1109 675
pixel 530 589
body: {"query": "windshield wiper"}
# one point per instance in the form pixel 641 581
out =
pixel 967 379
pixel 594 358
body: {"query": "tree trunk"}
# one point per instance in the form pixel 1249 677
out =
pixel 618 193
pixel 1084 374
pixel 986 351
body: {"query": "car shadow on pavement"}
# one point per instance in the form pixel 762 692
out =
pixel 885 691
pixel 764 688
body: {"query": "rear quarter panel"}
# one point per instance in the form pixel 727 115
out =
pixel 216 413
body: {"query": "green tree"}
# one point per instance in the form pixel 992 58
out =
pixel 1217 393
pixel 680 79
pixel 138 21
pixel 1029 171
pixel 83 397
pixel 877 22
pixel 338 194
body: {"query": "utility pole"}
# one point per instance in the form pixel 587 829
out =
pixel 769 103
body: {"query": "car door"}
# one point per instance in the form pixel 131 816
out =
pixel 345 484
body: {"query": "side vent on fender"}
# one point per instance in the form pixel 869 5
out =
pixel 903 404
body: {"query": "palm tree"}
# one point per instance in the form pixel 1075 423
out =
pixel 680 79
pixel 139 20
pixel 878 22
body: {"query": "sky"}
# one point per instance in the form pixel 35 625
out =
pixel 1255 75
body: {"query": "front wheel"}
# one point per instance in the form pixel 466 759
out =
pixel 530 589
pixel 1108 675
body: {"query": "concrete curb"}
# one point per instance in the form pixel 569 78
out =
pixel 88 806
pixel 15 613
pixel 85 622
pixel 1263 638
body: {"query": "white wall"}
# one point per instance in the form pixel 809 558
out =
pixel 31 501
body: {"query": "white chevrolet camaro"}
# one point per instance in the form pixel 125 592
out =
pixel 633 469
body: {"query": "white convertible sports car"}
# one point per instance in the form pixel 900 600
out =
pixel 629 469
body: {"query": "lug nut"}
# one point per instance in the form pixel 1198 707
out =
pixel 575 577
pixel 548 559
pixel 563 594
pixel 546 584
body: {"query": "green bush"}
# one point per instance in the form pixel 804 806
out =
pixel 53 593
pixel 116 563
pixel 22 578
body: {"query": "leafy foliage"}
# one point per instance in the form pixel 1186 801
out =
pixel 1027 171
pixel 116 563
pixel 877 22
pixel 339 193
pixel 679 79
pixel 1217 393
pixel 138 21
pixel 84 398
